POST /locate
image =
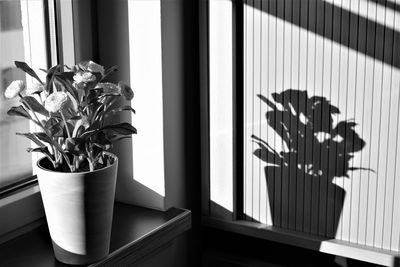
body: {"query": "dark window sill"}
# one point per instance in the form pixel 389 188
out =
pixel 137 234
pixel 335 247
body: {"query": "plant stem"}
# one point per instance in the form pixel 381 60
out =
pixel 71 167
pixel 76 162
pixel 91 166
pixel 38 122
pixel 89 157
pixel 95 113
pixel 66 125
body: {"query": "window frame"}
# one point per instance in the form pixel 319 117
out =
pixel 20 203
pixel 236 112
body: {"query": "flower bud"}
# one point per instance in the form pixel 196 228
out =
pixel 84 77
pixel 55 101
pixel 94 67
pixel 14 89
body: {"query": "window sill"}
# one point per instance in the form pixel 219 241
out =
pixel 137 233
pixel 293 238
pixel 19 210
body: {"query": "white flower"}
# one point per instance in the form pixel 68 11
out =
pixel 109 88
pixel 94 67
pixel 55 101
pixel 84 77
pixel 36 88
pixel 14 89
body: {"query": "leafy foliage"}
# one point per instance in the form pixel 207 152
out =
pixel 73 110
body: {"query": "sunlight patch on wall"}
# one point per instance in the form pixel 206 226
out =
pixel 221 155
pixel 146 77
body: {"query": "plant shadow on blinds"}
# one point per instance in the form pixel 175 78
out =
pixel 302 122
pixel 321 118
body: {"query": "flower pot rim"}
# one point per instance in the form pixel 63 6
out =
pixel 101 169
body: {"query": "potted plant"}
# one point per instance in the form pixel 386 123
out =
pixel 72 110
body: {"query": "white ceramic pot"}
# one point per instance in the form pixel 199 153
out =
pixel 79 209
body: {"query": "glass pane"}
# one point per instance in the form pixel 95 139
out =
pixel 16 43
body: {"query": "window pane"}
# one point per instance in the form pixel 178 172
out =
pixel 18 42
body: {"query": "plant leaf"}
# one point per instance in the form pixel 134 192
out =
pixel 43 150
pixel 35 105
pixel 23 66
pixel 19 111
pixel 50 77
pixel 54 127
pixel 102 142
pixel 126 91
pixel 121 128
pixel 116 110
pixel 70 128
pixel 43 137
pixel 69 75
pixel 117 137
pixel 68 86
pixel 75 146
pixel 75 118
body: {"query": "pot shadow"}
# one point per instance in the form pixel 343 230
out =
pixel 300 179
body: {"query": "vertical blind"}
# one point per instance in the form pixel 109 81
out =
pixel 321 118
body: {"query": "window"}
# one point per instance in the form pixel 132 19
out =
pixel 22 38
pixel 14 162
pixel 27 33
pixel 303 102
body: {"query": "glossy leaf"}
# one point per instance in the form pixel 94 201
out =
pixel 116 137
pixel 101 141
pixel 75 146
pixel 116 110
pixel 67 86
pixel 54 127
pixel 50 77
pixel 35 105
pixel 19 111
pixel 44 137
pixel 121 128
pixel 43 150
pixel 23 66
pixel 75 118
